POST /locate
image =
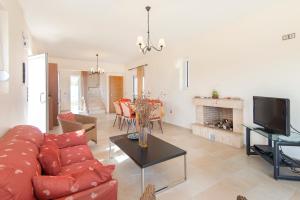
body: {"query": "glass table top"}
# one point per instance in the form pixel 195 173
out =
pixel 293 137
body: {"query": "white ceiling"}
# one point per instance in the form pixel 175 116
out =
pixel 80 28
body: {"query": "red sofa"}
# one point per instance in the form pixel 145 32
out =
pixel 27 155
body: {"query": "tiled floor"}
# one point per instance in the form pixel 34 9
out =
pixel 215 171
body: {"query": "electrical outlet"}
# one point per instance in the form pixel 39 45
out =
pixel 171 111
pixel 211 137
pixel 289 36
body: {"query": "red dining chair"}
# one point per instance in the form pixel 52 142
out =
pixel 156 115
pixel 119 113
pixel 128 116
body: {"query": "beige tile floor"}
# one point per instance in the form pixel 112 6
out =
pixel 215 171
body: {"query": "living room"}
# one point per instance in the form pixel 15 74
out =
pixel 237 49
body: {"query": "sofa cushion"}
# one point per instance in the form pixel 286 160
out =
pixel 49 158
pixel 68 116
pixel 75 154
pixel 50 187
pixel 68 139
pixel 78 167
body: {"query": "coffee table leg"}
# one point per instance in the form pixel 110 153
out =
pixel 143 180
pixel 185 176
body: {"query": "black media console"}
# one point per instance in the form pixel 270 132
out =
pixel 272 152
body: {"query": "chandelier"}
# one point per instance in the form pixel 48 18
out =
pixel 148 46
pixel 98 70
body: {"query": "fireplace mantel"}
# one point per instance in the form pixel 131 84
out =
pixel 222 103
pixel 209 110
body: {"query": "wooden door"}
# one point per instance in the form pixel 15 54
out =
pixel 115 91
pixel 53 94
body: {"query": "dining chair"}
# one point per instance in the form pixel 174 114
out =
pixel 128 116
pixel 156 115
pixel 119 113
pixel 125 100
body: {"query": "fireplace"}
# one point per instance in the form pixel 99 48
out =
pixel 219 120
pixel 216 117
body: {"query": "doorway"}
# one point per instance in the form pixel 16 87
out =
pixel 115 91
pixel 75 93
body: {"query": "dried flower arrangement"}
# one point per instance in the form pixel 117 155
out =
pixel 144 111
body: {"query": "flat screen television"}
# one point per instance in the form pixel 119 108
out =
pixel 273 114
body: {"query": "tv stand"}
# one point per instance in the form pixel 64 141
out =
pixel 271 152
pixel 268 131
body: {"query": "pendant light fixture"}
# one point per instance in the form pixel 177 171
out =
pixel 149 46
pixel 98 69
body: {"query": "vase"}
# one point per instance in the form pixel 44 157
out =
pixel 143 137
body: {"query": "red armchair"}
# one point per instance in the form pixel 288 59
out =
pixel 69 169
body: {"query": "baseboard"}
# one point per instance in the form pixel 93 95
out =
pixel 178 126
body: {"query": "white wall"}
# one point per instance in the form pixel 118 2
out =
pixel 13 103
pixel 241 59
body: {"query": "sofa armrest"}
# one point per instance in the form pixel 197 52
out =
pixel 69 126
pixel 84 119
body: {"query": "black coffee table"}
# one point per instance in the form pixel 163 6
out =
pixel 157 151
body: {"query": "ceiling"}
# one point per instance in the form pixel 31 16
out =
pixel 81 28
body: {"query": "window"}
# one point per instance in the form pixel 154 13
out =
pixel 184 72
pixel 135 87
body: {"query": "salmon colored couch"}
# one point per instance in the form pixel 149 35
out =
pixel 27 155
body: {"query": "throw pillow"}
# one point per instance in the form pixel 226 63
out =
pixel 49 158
pixel 68 116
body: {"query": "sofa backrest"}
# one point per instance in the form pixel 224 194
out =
pixel 19 149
